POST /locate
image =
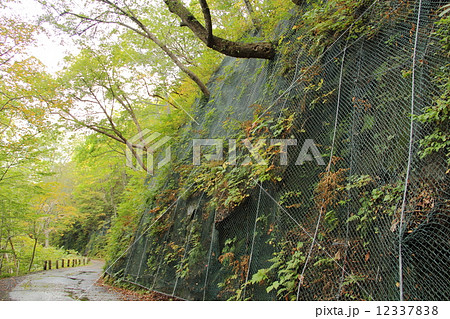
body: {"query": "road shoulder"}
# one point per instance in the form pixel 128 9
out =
pixel 7 285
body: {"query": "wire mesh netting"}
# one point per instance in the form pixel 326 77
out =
pixel 370 224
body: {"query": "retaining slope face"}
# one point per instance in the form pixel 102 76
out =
pixel 372 223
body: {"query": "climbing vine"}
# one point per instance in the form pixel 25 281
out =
pixel 437 115
pixel 235 268
pixel 229 184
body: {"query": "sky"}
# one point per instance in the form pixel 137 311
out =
pixel 49 48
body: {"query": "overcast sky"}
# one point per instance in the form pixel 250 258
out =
pixel 49 48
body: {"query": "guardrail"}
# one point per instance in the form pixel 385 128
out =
pixel 65 263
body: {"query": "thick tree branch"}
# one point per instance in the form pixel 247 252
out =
pixel 263 50
pixel 208 22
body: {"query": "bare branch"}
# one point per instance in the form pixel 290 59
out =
pixel 164 99
pixel 149 35
pixel 5 172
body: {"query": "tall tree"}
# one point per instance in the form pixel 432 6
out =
pixel 26 132
pixel 23 119
pixel 147 20
pixel 117 13
pixel 102 96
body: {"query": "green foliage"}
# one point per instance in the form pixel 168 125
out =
pixel 283 275
pixel 437 115
pixel 326 20
pixel 28 150
pixel 124 224
pixel 350 281
pixel 235 269
pixel 96 179
pixel 229 184
pixel 270 12
pixel 376 205
pixel 191 265
pixel 18 261
pixel 102 206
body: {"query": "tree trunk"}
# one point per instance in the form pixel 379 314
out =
pixel 262 50
pixel 13 252
pixel 1 259
pixel 47 238
pixel 32 255
pixel 2 255
pixel 12 248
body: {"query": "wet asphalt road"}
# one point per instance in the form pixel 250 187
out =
pixel 64 284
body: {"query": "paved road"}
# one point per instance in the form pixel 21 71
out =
pixel 64 284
